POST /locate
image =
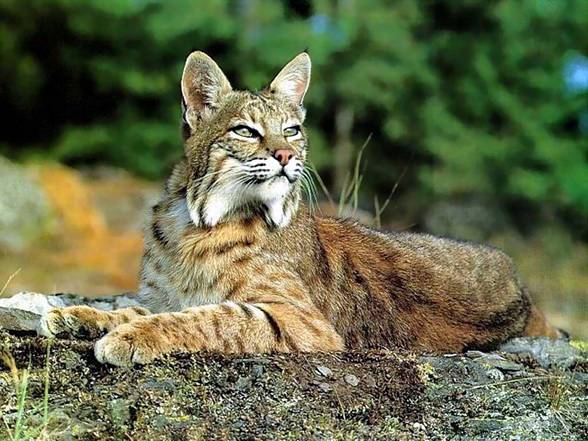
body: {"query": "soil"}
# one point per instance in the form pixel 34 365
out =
pixel 360 395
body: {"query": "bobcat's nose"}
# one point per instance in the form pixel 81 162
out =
pixel 283 156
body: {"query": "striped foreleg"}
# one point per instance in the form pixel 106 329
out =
pixel 255 326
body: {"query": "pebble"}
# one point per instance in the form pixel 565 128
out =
pixel 257 370
pixel 351 379
pixel 243 383
pixel 498 362
pixel 495 374
pixel 474 354
pixel 324 371
pixel 325 387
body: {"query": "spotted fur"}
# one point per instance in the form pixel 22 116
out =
pixel 234 262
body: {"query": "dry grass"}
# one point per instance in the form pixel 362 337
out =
pixel 25 427
pixel 12 276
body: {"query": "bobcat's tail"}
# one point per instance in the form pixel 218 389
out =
pixel 538 326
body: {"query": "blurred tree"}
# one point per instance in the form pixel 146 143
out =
pixel 500 124
pixel 479 99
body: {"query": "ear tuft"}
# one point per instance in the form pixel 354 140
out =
pixel 203 85
pixel 292 81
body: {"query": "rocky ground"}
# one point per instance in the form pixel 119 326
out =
pixel 537 390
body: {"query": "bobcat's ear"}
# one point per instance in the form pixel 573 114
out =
pixel 292 81
pixel 203 85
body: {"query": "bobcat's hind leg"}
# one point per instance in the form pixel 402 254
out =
pixel 85 322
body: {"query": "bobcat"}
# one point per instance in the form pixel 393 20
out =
pixel 235 262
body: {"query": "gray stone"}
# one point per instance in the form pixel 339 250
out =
pixel 351 380
pixel 481 426
pixel 581 377
pixel 547 352
pixel 474 354
pixel 120 410
pixel 167 385
pixel 257 370
pixel 103 306
pixel 23 311
pixel 125 301
pixel 324 371
pixel 495 374
pixel 325 387
pixel 498 362
pixel 243 383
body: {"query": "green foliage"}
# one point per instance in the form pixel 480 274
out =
pixel 469 97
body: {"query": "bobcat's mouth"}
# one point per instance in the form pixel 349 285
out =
pixel 283 174
pixel 258 171
pixel 275 178
pixel 237 187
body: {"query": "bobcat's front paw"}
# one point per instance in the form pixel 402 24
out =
pixel 130 343
pixel 73 321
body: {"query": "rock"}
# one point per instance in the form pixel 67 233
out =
pixel 548 353
pixel 103 306
pixel 495 374
pixel 581 377
pixel 22 311
pixel 24 211
pixel 480 426
pixel 243 383
pixel 498 362
pixel 351 379
pixel 325 387
pixel 474 354
pixel 120 410
pixel 257 371
pixel 126 300
pixel 166 385
pixel 324 371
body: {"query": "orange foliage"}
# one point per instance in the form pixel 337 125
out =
pixel 87 242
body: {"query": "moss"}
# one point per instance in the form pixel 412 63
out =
pixel 580 345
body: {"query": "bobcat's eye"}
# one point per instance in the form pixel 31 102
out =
pixel 246 132
pixel 291 131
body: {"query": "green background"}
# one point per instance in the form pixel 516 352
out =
pixel 482 105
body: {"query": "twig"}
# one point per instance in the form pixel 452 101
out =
pixel 12 276
pixel 7 428
pixel 322 185
pixel 514 380
pixel 357 178
pixel 46 391
pixel 380 210
pixel 561 421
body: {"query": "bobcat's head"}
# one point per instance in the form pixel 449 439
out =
pixel 245 150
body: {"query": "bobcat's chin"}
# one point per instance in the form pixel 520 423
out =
pixel 276 198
